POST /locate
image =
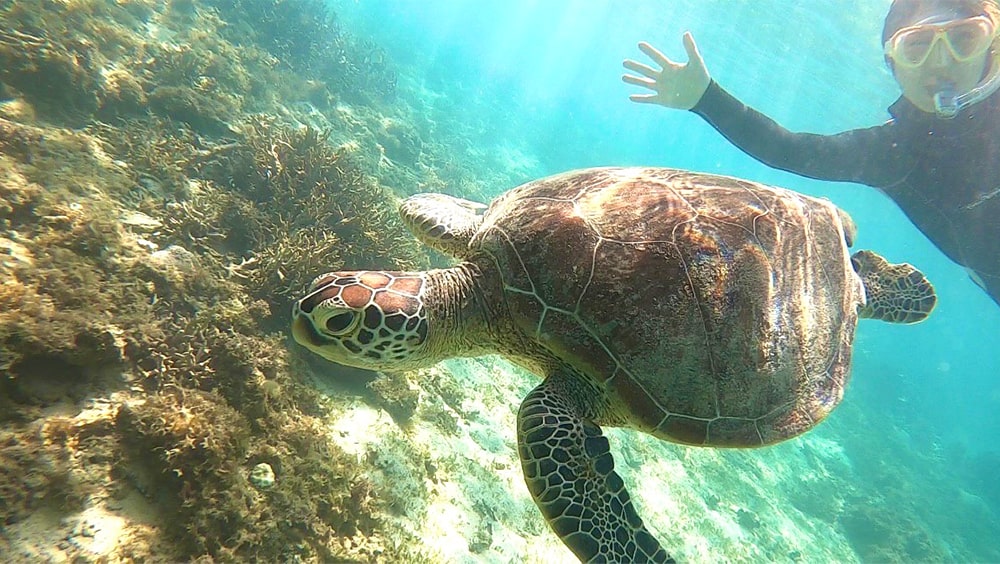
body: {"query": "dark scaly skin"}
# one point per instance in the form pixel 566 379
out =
pixel 897 292
pixel 562 453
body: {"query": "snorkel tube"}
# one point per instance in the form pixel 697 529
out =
pixel 947 103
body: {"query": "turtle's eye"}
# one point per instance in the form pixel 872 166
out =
pixel 340 323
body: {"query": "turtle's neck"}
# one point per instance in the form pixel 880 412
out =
pixel 458 315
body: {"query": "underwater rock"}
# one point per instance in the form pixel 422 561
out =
pixel 14 255
pixel 18 140
pixel 140 221
pixel 262 476
pixel 396 395
pixel 16 109
pixel 481 540
pixel 202 112
pixel 747 519
pixel 174 262
pixel 123 95
pixel 400 142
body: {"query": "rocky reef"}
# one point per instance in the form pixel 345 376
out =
pixel 170 172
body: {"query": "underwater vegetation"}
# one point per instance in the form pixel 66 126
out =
pixel 200 63
pixel 145 263
pixel 351 66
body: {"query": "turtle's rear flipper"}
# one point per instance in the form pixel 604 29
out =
pixel 569 470
pixel 898 293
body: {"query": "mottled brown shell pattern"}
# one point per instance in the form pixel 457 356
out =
pixel 710 310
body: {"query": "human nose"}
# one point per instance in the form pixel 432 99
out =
pixel 939 57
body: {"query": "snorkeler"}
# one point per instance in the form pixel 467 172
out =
pixel 938 157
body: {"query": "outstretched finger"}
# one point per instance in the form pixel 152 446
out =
pixel 643 98
pixel 640 68
pixel 691 47
pixel 639 81
pixel 653 53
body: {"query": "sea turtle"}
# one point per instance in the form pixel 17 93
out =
pixel 701 309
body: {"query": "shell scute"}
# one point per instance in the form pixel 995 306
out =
pixel 563 334
pixel 356 296
pixel 374 280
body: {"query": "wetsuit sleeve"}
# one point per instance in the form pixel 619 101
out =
pixel 867 156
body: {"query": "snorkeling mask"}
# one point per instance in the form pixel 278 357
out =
pixel 964 39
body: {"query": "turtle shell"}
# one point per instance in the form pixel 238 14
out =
pixel 711 310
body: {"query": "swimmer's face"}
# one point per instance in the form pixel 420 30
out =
pixel 920 84
pixel 934 56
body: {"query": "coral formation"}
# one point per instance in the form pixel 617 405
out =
pixel 262 475
pixel 62 77
pixel 148 256
pixel 396 394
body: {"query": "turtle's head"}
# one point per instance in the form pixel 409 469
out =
pixel 366 319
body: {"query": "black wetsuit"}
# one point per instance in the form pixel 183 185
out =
pixel 943 173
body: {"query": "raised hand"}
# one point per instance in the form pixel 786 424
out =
pixel 676 85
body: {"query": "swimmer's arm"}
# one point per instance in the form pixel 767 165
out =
pixel 867 156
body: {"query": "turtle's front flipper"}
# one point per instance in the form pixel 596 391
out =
pixel 570 473
pixel 442 221
pixel 898 293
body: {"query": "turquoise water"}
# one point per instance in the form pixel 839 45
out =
pixel 540 80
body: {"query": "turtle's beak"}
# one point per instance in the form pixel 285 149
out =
pixel 303 331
